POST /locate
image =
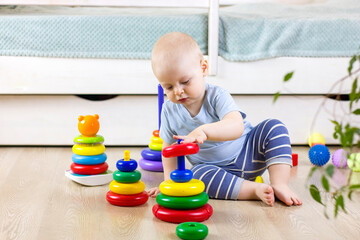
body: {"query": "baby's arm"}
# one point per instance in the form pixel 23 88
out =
pixel 230 127
pixel 169 165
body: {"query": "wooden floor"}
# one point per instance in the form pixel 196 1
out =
pixel 38 202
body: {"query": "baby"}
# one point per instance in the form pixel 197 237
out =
pixel 232 152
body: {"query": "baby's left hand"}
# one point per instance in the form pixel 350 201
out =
pixel 196 136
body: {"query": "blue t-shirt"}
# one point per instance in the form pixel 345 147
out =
pixel 176 120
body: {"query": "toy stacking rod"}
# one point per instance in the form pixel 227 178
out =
pixel 180 150
pixel 160 101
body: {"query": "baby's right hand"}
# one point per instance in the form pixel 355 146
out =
pixel 153 192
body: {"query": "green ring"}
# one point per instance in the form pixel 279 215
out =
pixel 192 231
pixel 127 177
pixel 182 202
pixel 82 139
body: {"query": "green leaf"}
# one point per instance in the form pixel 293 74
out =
pixel 351 63
pixel 276 96
pixel 354 187
pixel 340 202
pixel 356 112
pixel 353 94
pixel 330 170
pixel 288 76
pixel 314 191
pixel 349 195
pixel 325 183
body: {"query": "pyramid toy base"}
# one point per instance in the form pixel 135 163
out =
pixel 90 180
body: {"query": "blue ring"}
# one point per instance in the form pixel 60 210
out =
pixel 89 160
pixel 126 166
pixel 181 176
pixel 151 155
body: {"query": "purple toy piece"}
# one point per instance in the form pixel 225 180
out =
pixel 155 166
pixel 151 155
pixel 339 158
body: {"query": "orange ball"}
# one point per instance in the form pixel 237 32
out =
pixel 156 133
pixel 89 125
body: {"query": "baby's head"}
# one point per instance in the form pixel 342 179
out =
pixel 180 67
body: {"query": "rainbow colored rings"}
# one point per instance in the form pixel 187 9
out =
pixel 192 230
pixel 127 200
pixel 82 139
pixel 191 188
pixel 127 177
pixel 89 160
pixel 89 169
pixel 127 188
pixel 182 202
pixel 179 216
pixel 88 149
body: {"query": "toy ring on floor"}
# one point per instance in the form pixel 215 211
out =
pixel 127 188
pixel 127 200
pixel 127 177
pixel 149 154
pixel 180 150
pixel 90 180
pixel 88 149
pixel 179 216
pixel 155 146
pixel 192 230
pixel 154 166
pixel 89 169
pixel 182 202
pixel 155 139
pixel 191 188
pixel 82 139
pixel 89 160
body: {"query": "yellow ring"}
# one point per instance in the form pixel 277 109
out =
pixel 155 146
pixel 88 149
pixel 156 140
pixel 191 188
pixel 127 188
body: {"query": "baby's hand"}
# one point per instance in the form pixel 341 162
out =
pixel 196 136
pixel 153 192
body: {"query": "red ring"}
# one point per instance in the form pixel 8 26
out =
pixel 89 169
pixel 180 150
pixel 127 200
pixel 179 216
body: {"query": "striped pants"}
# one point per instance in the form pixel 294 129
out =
pixel 266 144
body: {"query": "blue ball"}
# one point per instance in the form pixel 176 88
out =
pixel 181 175
pixel 319 155
pixel 126 166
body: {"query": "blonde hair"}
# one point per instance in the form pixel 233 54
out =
pixel 172 45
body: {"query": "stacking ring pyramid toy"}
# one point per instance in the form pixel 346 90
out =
pixel 89 165
pixel 127 189
pixel 182 199
pixel 151 156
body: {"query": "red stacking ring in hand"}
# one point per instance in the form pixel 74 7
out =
pixel 180 150
pixel 89 169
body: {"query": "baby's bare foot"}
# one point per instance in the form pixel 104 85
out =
pixel 286 195
pixel 265 194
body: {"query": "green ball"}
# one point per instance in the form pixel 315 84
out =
pixel 127 177
pixel 190 202
pixel 192 231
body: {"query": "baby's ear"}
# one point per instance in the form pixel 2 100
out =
pixel 204 67
pixel 96 116
pixel 80 118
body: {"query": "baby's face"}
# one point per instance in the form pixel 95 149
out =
pixel 183 80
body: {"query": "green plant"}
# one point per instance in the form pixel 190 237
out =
pixel 346 133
